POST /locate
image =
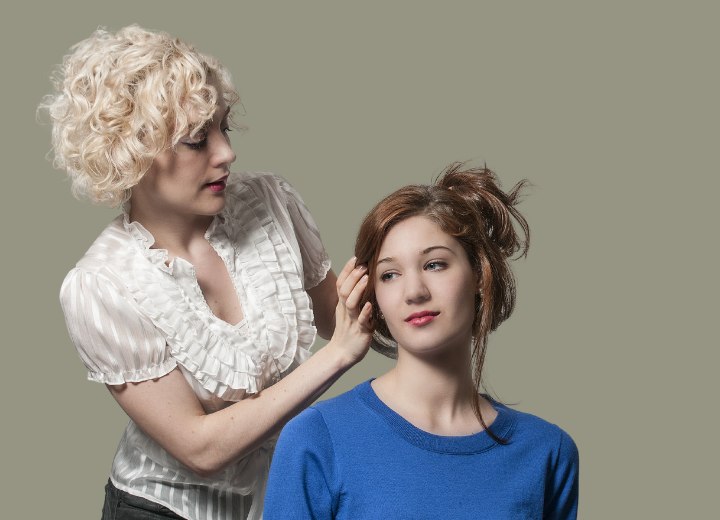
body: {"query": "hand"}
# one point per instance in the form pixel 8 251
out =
pixel 353 326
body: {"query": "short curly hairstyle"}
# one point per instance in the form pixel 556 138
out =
pixel 123 98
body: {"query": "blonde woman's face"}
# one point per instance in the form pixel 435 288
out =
pixel 425 288
pixel 191 179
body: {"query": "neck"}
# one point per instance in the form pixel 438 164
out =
pixel 436 394
pixel 175 233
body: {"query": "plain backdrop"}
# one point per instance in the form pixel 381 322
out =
pixel 609 108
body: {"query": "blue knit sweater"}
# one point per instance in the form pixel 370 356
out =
pixel 352 457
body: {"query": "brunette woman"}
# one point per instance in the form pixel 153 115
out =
pixel 421 441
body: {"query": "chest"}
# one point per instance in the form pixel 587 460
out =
pixel 410 484
pixel 217 286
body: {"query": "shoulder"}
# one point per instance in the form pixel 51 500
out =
pixel 542 434
pixel 329 411
pixel 261 182
pixel 324 417
pixel 110 249
pixel 338 407
pixel 107 256
pixel 258 192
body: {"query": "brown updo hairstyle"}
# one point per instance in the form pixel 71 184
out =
pixel 469 205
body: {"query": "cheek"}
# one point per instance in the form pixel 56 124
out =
pixel 381 297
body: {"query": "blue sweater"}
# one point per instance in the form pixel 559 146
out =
pixel 352 457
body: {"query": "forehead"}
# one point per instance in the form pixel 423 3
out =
pixel 413 235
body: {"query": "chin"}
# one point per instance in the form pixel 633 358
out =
pixel 430 347
pixel 210 210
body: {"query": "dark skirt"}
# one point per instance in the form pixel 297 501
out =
pixel 120 505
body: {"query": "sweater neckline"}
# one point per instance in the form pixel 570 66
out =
pixel 502 427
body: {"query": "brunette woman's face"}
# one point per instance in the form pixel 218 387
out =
pixel 190 180
pixel 425 288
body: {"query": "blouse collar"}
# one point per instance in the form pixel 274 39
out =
pixel 145 240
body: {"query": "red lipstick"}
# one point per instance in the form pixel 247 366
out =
pixel 421 318
pixel 218 185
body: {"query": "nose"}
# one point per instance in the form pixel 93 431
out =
pixel 416 291
pixel 223 153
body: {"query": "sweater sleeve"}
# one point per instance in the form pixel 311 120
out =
pixel 561 495
pixel 302 474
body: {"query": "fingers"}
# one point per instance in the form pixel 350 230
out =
pixel 354 298
pixel 346 270
pixel 348 282
pixel 365 317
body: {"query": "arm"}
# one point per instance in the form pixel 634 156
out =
pixel 561 497
pixel 324 298
pixel 167 410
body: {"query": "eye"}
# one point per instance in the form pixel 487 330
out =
pixel 196 145
pixel 387 276
pixel 436 265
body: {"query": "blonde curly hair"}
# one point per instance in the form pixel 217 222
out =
pixel 121 99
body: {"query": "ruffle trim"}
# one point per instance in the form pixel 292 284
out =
pixel 134 376
pixel 225 362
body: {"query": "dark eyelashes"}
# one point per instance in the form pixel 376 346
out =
pixel 438 263
pixel 199 145
pixel 433 265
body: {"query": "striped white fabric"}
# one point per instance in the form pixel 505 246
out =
pixel 133 318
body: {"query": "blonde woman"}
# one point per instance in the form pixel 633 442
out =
pixel 197 306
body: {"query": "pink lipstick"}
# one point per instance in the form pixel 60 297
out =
pixel 418 319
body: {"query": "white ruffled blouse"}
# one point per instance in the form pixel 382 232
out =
pixel 133 317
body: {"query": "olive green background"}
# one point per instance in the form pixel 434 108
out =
pixel 609 108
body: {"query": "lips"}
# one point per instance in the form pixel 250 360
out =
pixel 421 318
pixel 218 185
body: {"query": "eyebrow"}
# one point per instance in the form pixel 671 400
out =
pixel 204 128
pixel 423 252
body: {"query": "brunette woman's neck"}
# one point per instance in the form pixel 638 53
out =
pixel 434 395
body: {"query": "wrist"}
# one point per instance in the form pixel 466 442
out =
pixel 341 358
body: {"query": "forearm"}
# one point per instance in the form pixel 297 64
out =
pixel 235 431
pixel 169 412
pixel 324 298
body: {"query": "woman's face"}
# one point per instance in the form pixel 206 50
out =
pixel 190 180
pixel 425 288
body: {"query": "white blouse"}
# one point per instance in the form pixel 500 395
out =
pixel 133 317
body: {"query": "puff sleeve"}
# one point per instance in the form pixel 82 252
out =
pixel 316 262
pixel 297 226
pixel 115 341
